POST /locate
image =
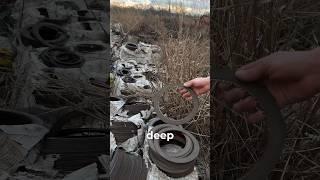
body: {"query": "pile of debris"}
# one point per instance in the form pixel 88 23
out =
pixel 133 116
pixel 58 128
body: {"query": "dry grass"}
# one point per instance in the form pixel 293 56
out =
pixel 244 31
pixel 185 49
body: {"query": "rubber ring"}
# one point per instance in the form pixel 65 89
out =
pixel 186 149
pixel 275 123
pixel 194 146
pixel 189 117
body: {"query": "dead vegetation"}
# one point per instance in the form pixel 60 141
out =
pixel 244 31
pixel 185 49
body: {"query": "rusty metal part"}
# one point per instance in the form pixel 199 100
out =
pixel 275 124
pixel 123 131
pixel 189 117
pixel 125 166
pixel 178 164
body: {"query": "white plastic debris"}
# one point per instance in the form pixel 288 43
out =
pixel 115 106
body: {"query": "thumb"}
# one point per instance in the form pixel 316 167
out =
pixel 252 72
pixel 188 84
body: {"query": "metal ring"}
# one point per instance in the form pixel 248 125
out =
pixel 189 117
pixel 275 123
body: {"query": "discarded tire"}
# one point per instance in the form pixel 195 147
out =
pixel 179 163
pixel 189 117
pixel 131 46
pixel 61 58
pixel 44 34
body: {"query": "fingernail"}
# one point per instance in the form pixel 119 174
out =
pixel 186 84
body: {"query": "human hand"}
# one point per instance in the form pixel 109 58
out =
pixel 198 85
pixel 289 76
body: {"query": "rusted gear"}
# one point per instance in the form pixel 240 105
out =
pixel 275 123
pixel 189 117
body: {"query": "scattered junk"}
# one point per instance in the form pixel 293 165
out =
pixel 135 112
pixel 57 52
pixel 123 131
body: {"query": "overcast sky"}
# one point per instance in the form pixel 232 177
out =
pixel 191 6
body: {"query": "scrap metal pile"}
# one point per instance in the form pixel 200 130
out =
pixel 135 112
pixel 57 126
